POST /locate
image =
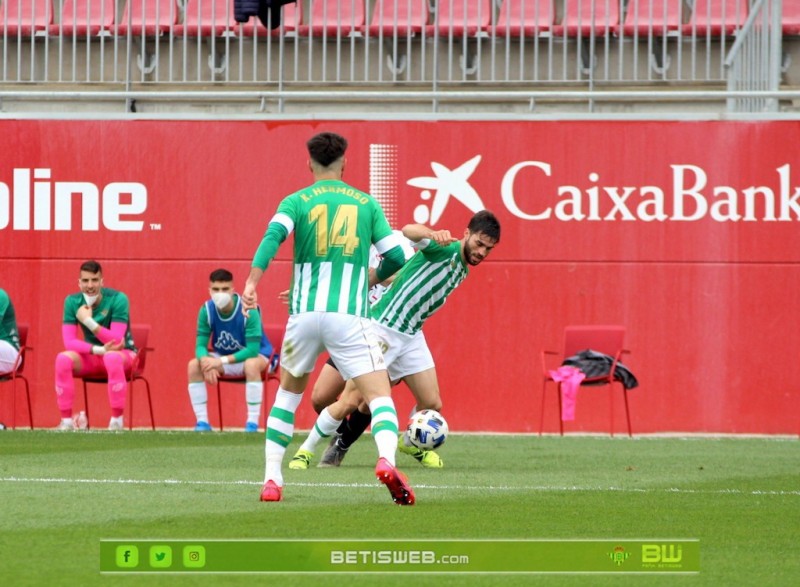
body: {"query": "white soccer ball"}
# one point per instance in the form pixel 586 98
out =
pixel 427 429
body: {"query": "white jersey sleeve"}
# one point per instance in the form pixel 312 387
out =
pixel 409 248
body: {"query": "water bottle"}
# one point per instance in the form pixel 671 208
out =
pixel 82 423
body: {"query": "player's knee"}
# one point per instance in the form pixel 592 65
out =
pixel 112 360
pixel 352 402
pixel 432 404
pixel 322 397
pixel 316 402
pixel 193 369
pixel 64 363
pixel 253 368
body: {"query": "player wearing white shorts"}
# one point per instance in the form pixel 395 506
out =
pixel 334 225
pixel 419 289
pixel 239 347
pixel 9 336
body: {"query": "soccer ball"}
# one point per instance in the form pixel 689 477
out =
pixel 427 429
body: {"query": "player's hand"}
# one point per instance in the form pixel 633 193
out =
pixel 209 363
pixel 249 298
pixel 442 237
pixel 113 345
pixel 211 376
pixel 83 313
pixel 284 297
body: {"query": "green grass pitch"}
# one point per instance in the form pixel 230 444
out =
pixel 61 493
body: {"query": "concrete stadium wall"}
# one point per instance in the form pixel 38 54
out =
pixel 685 232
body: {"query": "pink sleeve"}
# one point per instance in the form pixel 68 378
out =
pixel 69 333
pixel 115 333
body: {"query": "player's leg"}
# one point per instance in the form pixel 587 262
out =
pixel 8 356
pixel 355 349
pixel 117 364
pixel 424 387
pixel 354 425
pixel 327 423
pixel 327 387
pixel 384 433
pixel 198 396
pixel 254 390
pixel 302 336
pixel 348 432
pixel 416 367
pixel 70 364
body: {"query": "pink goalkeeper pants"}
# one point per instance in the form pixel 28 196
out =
pixel 114 365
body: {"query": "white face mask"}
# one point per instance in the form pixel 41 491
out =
pixel 221 299
pixel 90 300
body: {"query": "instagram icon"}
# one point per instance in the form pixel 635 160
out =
pixel 194 556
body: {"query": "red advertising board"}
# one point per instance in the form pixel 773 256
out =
pixel 685 232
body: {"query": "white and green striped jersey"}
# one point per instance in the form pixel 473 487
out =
pixel 334 225
pixel 421 287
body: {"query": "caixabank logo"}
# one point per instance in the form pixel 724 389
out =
pixel 535 190
pixel 37 199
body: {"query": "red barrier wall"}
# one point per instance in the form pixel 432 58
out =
pixel 686 232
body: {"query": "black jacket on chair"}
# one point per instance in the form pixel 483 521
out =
pixel 594 364
pixel 268 11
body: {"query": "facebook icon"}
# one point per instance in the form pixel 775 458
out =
pixel 127 556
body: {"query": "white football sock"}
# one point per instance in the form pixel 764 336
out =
pixel 252 394
pixel 384 427
pixel 280 428
pixel 323 428
pixel 198 394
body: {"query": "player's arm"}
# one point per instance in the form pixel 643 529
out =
pixel 280 227
pixel 203 334
pixel 72 342
pixel 420 232
pixel 392 258
pixel 118 326
pixel 69 330
pixel 252 336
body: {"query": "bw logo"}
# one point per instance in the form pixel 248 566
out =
pixel 662 553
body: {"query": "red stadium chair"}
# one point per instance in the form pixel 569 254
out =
pixel 291 18
pixel 141 334
pixel 608 340
pixel 149 18
pixel 25 18
pixel 463 18
pixel 791 17
pixel 399 18
pixel 16 375
pixel 207 18
pixel 584 18
pixel 335 18
pixel 531 18
pixel 654 21
pixel 647 18
pixel 716 18
pixel 85 18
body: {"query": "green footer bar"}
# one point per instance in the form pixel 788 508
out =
pixel 400 556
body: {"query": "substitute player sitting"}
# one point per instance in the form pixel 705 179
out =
pixel 105 347
pixel 239 345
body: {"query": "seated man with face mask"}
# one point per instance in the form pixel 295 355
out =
pixel 238 346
